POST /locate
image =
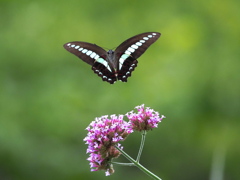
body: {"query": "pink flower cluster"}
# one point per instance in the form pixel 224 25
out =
pixel 145 119
pixel 103 134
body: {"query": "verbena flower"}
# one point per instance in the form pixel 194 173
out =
pixel 103 134
pixel 145 119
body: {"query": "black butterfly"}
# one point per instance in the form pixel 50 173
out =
pixel 113 65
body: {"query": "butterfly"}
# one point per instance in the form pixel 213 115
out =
pixel 113 65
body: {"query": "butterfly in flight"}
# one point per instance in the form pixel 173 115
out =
pixel 113 65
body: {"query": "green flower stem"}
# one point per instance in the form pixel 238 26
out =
pixel 144 133
pixel 137 164
pixel 123 164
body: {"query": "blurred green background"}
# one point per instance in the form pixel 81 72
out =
pixel 191 75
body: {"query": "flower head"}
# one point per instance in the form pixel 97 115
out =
pixel 103 134
pixel 145 119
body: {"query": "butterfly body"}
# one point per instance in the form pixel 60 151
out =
pixel 113 65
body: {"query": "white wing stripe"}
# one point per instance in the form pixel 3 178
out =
pixel 134 46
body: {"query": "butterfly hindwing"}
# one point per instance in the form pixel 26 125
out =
pixel 126 69
pixel 104 72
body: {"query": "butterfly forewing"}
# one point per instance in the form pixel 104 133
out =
pixel 86 51
pixel 137 45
